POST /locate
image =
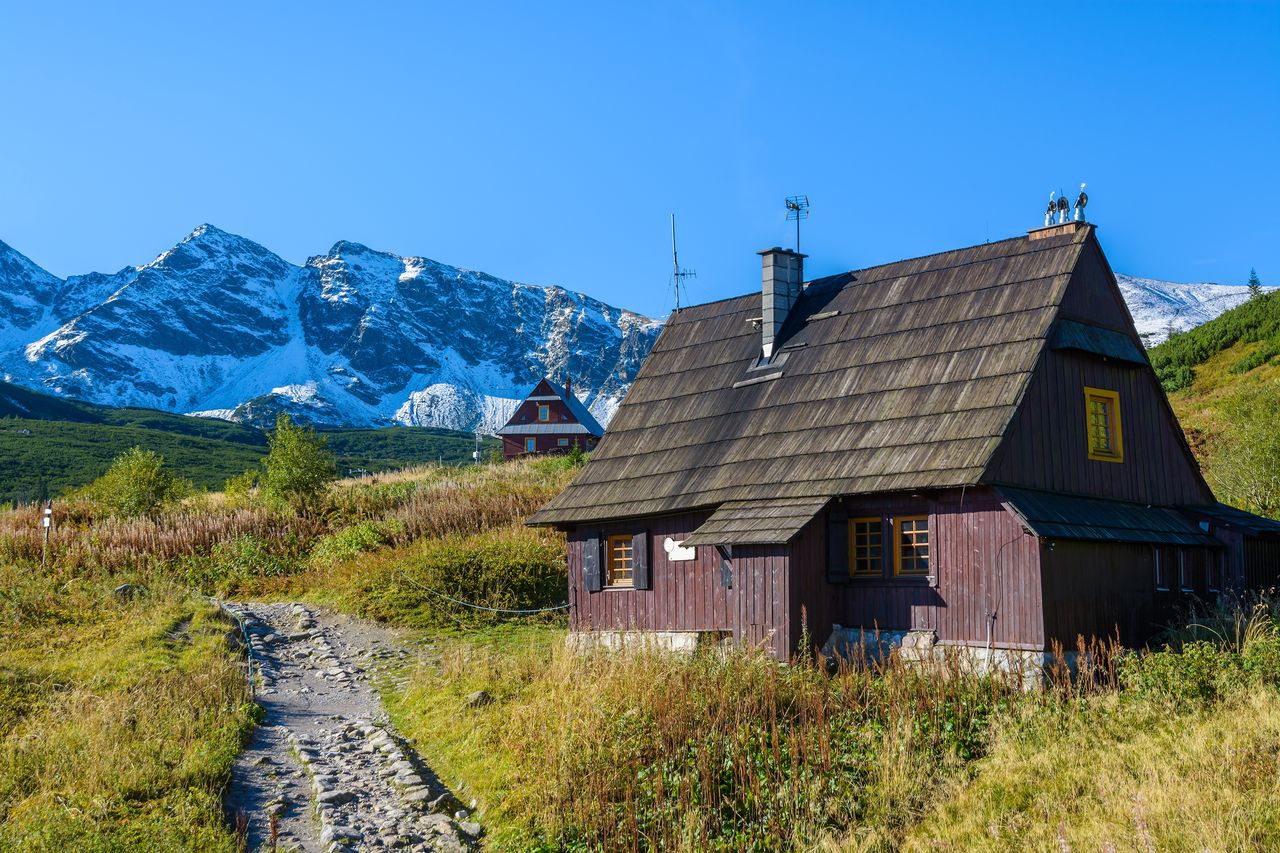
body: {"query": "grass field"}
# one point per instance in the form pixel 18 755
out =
pixel 118 720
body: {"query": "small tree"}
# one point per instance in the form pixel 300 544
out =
pixel 136 484
pixel 1246 463
pixel 299 466
pixel 1255 284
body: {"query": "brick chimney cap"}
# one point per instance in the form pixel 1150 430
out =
pixel 778 250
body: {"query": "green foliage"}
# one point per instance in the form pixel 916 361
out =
pixel 50 445
pixel 509 568
pixel 236 560
pixel 1255 284
pixel 137 484
pixel 298 468
pixel 239 490
pixel 1199 672
pixel 1245 462
pixel 350 542
pixel 1255 321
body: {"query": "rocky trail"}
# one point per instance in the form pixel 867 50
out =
pixel 325 771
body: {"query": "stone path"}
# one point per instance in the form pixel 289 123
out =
pixel 325 771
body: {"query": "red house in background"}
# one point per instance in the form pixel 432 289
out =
pixel 550 420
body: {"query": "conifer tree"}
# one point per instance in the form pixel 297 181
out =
pixel 1255 284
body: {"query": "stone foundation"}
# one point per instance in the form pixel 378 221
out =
pixel 683 642
pixel 922 647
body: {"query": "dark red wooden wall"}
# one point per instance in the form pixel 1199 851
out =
pixel 687 595
pixel 986 565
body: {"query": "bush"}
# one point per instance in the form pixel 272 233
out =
pixel 137 484
pixel 352 541
pixel 1200 672
pixel 513 568
pixel 241 558
pixel 298 468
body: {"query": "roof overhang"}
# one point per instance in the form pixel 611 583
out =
pixel 1050 515
pixel 542 429
pixel 757 522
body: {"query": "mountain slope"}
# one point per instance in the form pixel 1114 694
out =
pixel 221 325
pixel 50 444
pixel 1159 307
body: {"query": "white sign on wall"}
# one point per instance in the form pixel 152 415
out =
pixel 676 552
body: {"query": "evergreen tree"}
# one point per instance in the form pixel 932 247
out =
pixel 1255 284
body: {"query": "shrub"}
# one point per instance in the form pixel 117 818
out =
pixel 237 559
pixel 240 489
pixel 1200 672
pixel 512 568
pixel 298 468
pixel 352 541
pixel 137 484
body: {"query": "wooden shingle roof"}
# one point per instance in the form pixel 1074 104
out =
pixel 901 376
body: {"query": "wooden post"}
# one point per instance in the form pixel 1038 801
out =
pixel 46 521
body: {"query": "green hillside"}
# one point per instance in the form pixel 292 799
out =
pixel 49 445
pixel 1251 331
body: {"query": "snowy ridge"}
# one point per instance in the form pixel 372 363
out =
pixel 1158 307
pixel 220 326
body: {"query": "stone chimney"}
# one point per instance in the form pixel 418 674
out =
pixel 568 386
pixel 782 283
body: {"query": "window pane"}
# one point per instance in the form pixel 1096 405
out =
pixel 620 561
pixel 866 547
pixel 913 546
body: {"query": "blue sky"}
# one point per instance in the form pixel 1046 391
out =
pixel 550 142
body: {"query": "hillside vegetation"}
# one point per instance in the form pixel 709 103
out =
pixel 49 445
pixel 1223 380
pixel 1173 749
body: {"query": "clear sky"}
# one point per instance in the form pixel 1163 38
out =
pixel 549 142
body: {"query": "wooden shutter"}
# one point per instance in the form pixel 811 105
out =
pixel 837 546
pixel 726 565
pixel 641 577
pixel 591 574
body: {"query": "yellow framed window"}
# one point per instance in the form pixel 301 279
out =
pixel 1102 420
pixel 544 412
pixel 531 445
pixel 866 548
pixel 621 560
pixel 911 546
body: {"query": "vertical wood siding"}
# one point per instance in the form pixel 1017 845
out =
pixel 1261 564
pixel 687 595
pixel 986 564
pixel 1046 446
pixel 1096 589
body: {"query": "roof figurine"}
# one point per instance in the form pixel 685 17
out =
pixel 1051 209
pixel 1063 207
pixel 1082 201
pixel 967 449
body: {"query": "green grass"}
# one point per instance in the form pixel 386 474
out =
pixel 49 445
pixel 118 721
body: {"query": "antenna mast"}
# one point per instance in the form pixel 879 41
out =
pixel 677 273
pixel 797 209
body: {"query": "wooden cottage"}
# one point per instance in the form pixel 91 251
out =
pixel 965 449
pixel 549 420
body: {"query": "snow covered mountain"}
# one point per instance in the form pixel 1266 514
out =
pixel 219 325
pixel 1160 306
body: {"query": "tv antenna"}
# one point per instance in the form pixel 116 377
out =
pixel 678 273
pixel 797 209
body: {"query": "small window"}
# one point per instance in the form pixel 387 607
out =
pixel 1185 580
pixel 562 442
pixel 544 412
pixel 911 546
pixel 1162 570
pixel 621 560
pixel 866 548
pixel 531 445
pixel 1102 419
